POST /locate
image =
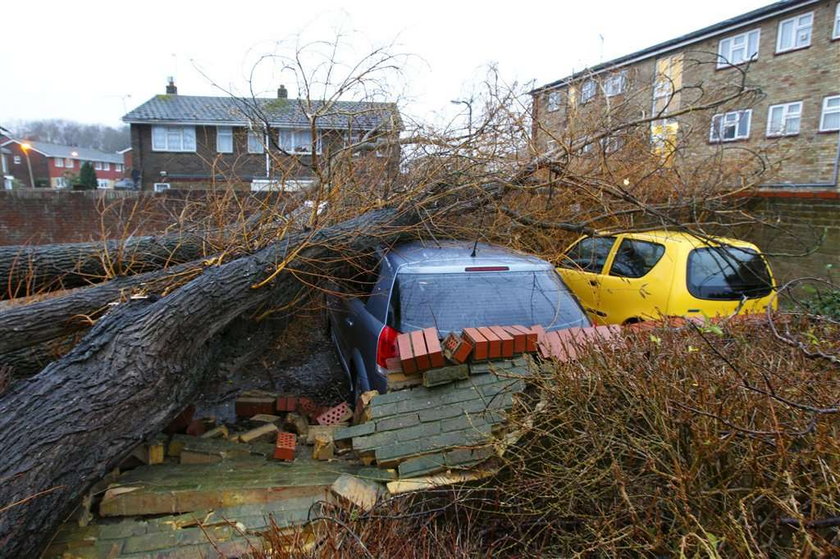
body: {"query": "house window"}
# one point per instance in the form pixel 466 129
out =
pixel 553 101
pixel 298 141
pixel 173 138
pixel 59 162
pixel 98 165
pixel 102 183
pixel 615 85
pixel 783 120
pixel 730 126
pixel 830 118
pixel 118 167
pixel 224 139
pixel 738 49
pixel 587 91
pixel 611 144
pixel 663 137
pixel 62 182
pixel 795 33
pixel 256 142
pixel 68 163
pixel 106 166
pixel 836 34
pixel 16 159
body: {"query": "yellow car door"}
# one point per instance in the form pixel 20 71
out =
pixel 581 268
pixel 637 282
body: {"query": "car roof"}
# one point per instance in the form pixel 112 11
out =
pixel 681 237
pixel 454 256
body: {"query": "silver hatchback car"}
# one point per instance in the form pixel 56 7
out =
pixel 450 285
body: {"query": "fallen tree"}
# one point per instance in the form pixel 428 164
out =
pixel 133 372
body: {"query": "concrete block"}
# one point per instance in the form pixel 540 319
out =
pixel 362 493
pixel 263 432
pixel 445 375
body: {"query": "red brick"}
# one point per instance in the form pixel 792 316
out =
pixel 531 337
pixel 479 343
pixel 566 337
pixel 246 406
pixel 286 403
pixel 519 338
pixel 196 428
pixel 335 415
pixel 507 340
pixel 284 449
pixel 433 345
pixel 407 362
pixel 181 421
pixel 539 332
pixel 421 353
pixel 494 347
pixel 308 408
pixel 456 348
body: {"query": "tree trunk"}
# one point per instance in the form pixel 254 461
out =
pixel 26 270
pixel 63 429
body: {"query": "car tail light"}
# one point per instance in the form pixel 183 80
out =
pixel 386 346
pixel 486 269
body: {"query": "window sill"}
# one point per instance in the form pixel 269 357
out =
pixel 831 131
pixel 792 49
pixel 736 140
pixel 775 136
pixel 729 66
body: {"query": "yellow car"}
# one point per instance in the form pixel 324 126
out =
pixel 631 277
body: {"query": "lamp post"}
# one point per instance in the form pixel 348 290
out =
pixel 26 147
pixel 468 103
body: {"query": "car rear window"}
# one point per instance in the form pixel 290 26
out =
pixel 728 273
pixel 453 301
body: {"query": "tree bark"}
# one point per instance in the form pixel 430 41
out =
pixel 63 429
pixel 26 270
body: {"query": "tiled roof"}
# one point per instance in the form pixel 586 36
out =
pixel 73 152
pixel 278 112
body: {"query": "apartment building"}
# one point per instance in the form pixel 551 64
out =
pixel 762 88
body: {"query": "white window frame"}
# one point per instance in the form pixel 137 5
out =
pixel 69 163
pixel 830 111
pixel 797 27
pixel 59 162
pixel 97 165
pixel 62 182
pixel 106 166
pixel 297 141
pixel 588 91
pixel 224 134
pixel 161 186
pixel 727 46
pixel 173 138
pixel 16 159
pixel 789 113
pixel 256 144
pixel 836 33
pixel 118 167
pixel 103 183
pixel 615 84
pixel 721 121
pixel 553 101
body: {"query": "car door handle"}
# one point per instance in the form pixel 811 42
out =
pixel 348 321
pixel 593 283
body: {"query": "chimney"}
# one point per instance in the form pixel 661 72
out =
pixel 282 92
pixel 171 89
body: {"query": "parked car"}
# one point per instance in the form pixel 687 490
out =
pixel 124 184
pixel 449 285
pixel 630 277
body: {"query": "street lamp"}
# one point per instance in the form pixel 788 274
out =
pixel 26 147
pixel 468 103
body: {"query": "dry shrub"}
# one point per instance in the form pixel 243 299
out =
pixel 708 442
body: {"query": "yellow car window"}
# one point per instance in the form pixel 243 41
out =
pixel 635 258
pixel 589 255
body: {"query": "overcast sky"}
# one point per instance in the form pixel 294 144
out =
pixel 90 61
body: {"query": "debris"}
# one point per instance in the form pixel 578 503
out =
pixel 360 492
pixel 286 403
pixel 249 406
pixel 196 428
pixel 307 407
pixel 335 415
pixel 456 348
pixel 362 413
pixel 152 452
pixel 284 448
pixel 218 432
pixel 399 381
pixel 296 423
pixel 181 421
pixel 438 480
pixel 263 432
pixel 266 418
pixel 329 430
pixel 323 447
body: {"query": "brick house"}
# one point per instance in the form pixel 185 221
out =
pixel 788 51
pixel 55 165
pixel 191 142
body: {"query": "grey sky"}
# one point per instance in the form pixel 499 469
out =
pixel 90 60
